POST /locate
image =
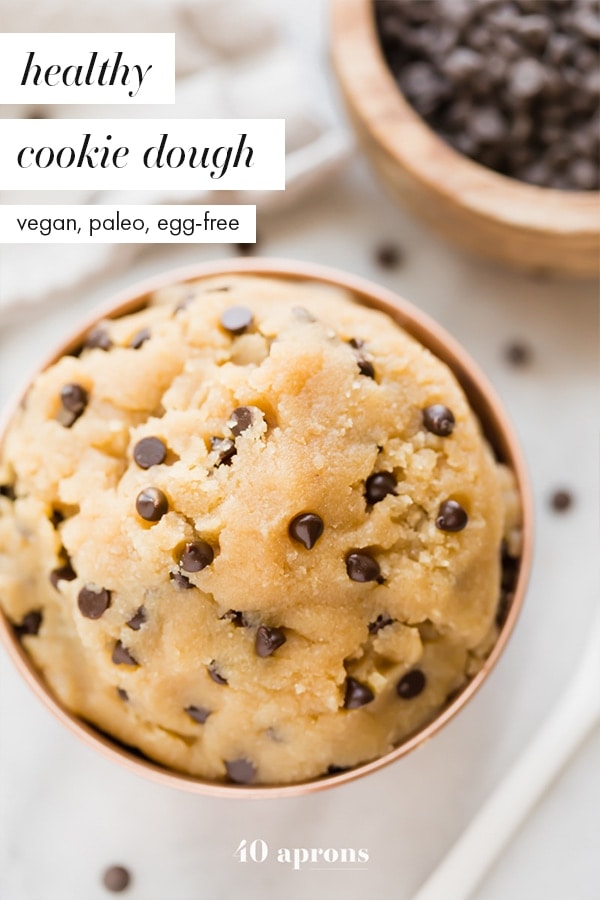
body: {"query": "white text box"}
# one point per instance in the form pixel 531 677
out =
pixel 58 67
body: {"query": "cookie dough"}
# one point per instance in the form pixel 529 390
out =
pixel 253 530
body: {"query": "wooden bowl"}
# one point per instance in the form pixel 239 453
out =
pixel 487 213
pixel 496 427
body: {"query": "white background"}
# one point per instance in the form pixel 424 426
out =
pixel 65 813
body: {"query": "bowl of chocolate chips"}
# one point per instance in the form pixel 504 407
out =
pixel 264 528
pixel 483 117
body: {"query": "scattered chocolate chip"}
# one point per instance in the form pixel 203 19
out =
pixel 379 485
pixel 268 640
pixel 30 624
pixel 122 694
pixel 240 770
pixel 99 339
pixel 74 399
pixel 365 366
pixel 561 501
pixel 215 674
pixel 121 656
pixel 152 504
pixel 237 319
pixel 438 419
pixel 356 343
pixel 451 516
pixel 182 582
pixel 240 420
pixel 195 556
pixel 198 713
pixel 382 621
pixel 236 618
pixel 306 528
pixel 63 573
pixel 116 879
pixel 360 566
pixel 138 619
pixel 225 449
pixel 518 354
pixel 8 491
pixel 57 517
pixel 149 451
pixel 93 603
pixel 337 770
pixel 411 684
pixel 140 338
pixel 357 694
pixel 389 256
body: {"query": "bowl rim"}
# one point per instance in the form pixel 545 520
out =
pixel 395 126
pixel 474 383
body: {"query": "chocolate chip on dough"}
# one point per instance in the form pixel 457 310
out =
pixel 93 602
pixel 242 771
pixel 198 713
pixel 215 674
pixel 268 640
pixel 99 339
pixel 361 566
pixel 195 556
pixel 451 516
pixel 237 319
pixel 121 656
pixel 29 625
pixel 379 485
pixel 149 451
pixel 306 528
pixel 357 694
pixel 62 573
pixel 240 420
pixel 438 419
pixel 411 684
pixel 152 504
pixel 138 619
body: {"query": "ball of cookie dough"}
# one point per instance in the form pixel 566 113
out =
pixel 253 530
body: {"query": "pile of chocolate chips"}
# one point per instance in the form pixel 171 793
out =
pixel 513 84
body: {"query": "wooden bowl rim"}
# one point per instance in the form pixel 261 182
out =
pixel 442 169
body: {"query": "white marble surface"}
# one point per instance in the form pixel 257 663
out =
pixel 66 813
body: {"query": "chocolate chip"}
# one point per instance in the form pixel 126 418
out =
pixel 518 354
pixel 389 256
pixel 8 491
pixel 225 449
pixel 337 770
pixel 30 624
pixel 139 338
pixel 411 684
pixel 93 603
pixel 361 566
pixel 561 501
pixel 198 713
pixel 235 617
pixel 215 674
pixel 268 640
pixel 240 420
pixel 356 343
pixel 379 485
pixel 365 366
pixel 306 528
pixel 98 338
pixel 240 770
pixel 237 319
pixel 151 504
pixel 63 573
pixel 138 619
pixel 121 656
pixel 357 694
pixel 182 582
pixel 195 556
pixel 149 451
pixel 382 621
pixel 438 419
pixel 57 517
pixel 451 516
pixel 122 694
pixel 74 399
pixel 116 879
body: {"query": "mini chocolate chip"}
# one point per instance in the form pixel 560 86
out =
pixel 196 555
pixel 225 449
pixel 356 343
pixel 357 694
pixel 99 339
pixel 138 619
pixel 451 516
pixel 57 517
pixel 561 501
pixel 382 621
pixel 365 366
pixel 240 770
pixel 236 618
pixel 30 624
pixel 149 451
pixel 151 504
pixel 360 566
pixel 116 879
pixel 306 528
pixel 411 684
pixel 215 674
pixel 8 491
pixel 240 420
pixel 198 713
pixel 121 656
pixel 438 419
pixel 63 573
pixel 518 354
pixel 139 338
pixel 268 640
pixel 74 398
pixel 379 485
pixel 389 256
pixel 182 582
pixel 122 694
pixel 237 319
pixel 93 603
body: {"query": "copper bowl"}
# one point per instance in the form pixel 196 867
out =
pixel 498 431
